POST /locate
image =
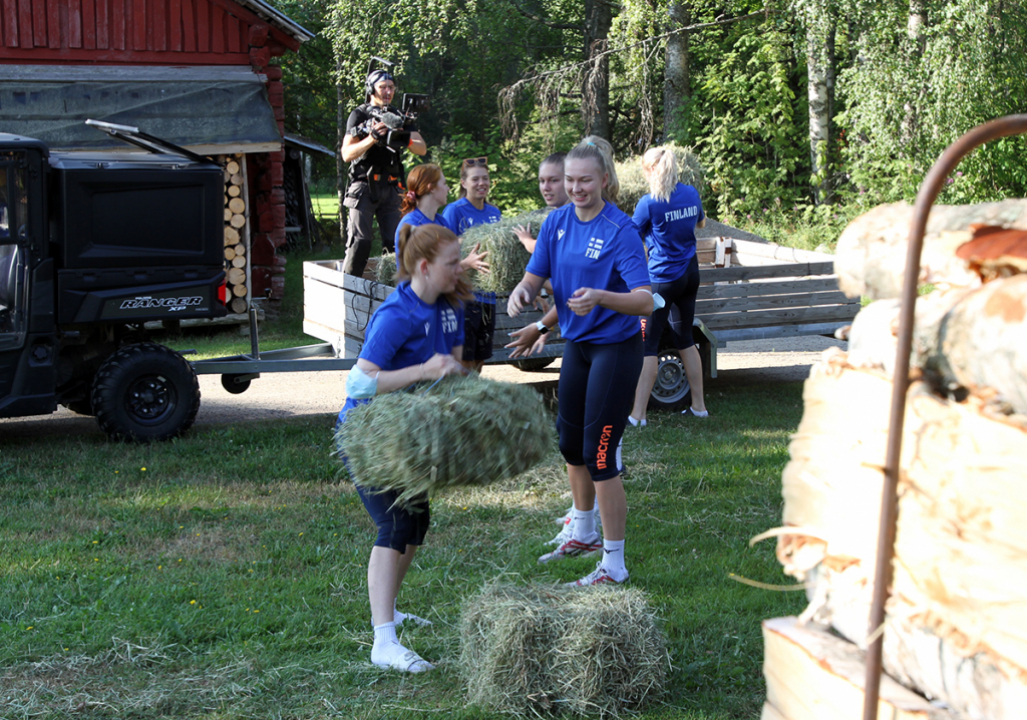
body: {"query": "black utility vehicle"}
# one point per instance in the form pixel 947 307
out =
pixel 92 246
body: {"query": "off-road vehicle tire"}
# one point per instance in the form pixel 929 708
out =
pixel 145 392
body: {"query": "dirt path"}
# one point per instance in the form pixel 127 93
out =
pixel 288 395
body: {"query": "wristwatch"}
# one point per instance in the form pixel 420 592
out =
pixel 541 327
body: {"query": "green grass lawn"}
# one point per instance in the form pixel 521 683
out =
pixel 222 575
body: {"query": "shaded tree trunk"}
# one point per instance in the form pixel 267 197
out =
pixel 596 93
pixel 340 166
pixel 676 81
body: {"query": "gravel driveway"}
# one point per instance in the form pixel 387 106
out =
pixel 285 395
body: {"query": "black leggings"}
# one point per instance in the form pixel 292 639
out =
pixel 679 311
pixel 597 390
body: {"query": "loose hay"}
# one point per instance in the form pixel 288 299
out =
pixel 633 184
pixel 459 431
pixel 506 256
pixel 589 651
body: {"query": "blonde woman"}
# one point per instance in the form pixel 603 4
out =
pixel 667 217
pixel 593 255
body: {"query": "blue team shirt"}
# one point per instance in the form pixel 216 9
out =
pixel 417 218
pixel 407 331
pixel 669 231
pixel 604 253
pixel 462 215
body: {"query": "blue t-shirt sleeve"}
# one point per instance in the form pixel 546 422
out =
pixel 451 216
pixel 630 263
pixel 539 264
pixel 641 216
pixel 458 339
pixel 385 334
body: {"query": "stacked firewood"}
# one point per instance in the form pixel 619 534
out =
pixel 955 638
pixel 236 233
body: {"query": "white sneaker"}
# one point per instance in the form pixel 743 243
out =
pixel 599 576
pixel 574 548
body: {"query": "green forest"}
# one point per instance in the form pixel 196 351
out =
pixel 800 111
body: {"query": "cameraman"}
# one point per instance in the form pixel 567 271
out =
pixel 376 169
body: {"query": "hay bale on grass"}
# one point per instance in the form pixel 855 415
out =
pixel 590 651
pixel 459 431
pixel 506 256
pixel 633 184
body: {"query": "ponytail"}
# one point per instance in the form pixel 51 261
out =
pixel 663 175
pixel 601 151
pixel 420 181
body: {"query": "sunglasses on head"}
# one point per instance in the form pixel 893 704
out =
pixel 471 162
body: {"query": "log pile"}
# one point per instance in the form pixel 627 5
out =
pixel 956 629
pixel 236 233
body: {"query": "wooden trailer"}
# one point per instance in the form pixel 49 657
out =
pixel 750 290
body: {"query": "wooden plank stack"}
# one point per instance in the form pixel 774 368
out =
pixel 956 629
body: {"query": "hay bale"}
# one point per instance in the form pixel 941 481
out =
pixel 385 273
pixel 633 184
pixel 590 651
pixel 506 256
pixel 458 431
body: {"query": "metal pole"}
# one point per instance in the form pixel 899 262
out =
pixel 932 185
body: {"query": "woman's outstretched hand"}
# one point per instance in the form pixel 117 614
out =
pixel 520 298
pixel 526 341
pixel 475 260
pixel 524 235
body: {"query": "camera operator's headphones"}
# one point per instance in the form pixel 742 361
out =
pixel 373 79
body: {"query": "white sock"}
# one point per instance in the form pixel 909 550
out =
pixel 613 559
pixel 636 423
pixel 385 634
pixel 584 525
pixel 696 413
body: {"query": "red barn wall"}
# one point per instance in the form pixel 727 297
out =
pixel 169 32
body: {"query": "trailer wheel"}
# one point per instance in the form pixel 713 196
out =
pixel 235 385
pixel 145 392
pixel 671 391
pixel 533 364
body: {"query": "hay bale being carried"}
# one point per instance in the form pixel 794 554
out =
pixel 633 184
pixel 506 256
pixel 591 651
pixel 458 431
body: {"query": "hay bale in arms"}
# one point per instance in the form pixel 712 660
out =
pixel 590 651
pixel 633 184
pixel 458 431
pixel 506 256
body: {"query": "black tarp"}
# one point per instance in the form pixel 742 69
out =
pixel 223 110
